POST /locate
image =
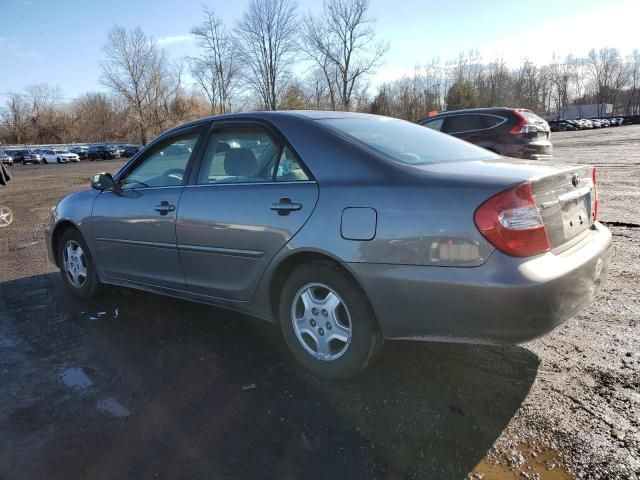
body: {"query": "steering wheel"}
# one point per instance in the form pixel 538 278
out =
pixel 174 173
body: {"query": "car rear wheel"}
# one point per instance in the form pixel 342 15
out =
pixel 327 321
pixel 76 265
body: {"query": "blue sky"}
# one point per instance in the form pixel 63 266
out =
pixel 60 42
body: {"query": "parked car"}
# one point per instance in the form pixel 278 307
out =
pixel 6 159
pixel 59 156
pixel 80 151
pixel 513 132
pixel 13 154
pixel 26 157
pixel 119 149
pixel 35 157
pixel 339 227
pixel 561 126
pixel 130 150
pixel 101 152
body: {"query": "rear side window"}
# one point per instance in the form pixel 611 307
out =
pixel 239 154
pixel 248 154
pixel 406 142
pixel 462 123
pixel 490 121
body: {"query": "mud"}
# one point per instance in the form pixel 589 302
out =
pixel 134 385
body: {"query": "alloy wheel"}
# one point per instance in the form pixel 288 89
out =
pixel 75 264
pixel 321 322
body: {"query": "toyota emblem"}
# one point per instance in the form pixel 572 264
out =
pixel 575 180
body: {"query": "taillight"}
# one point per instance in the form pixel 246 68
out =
pixel 511 222
pixel 595 195
pixel 523 125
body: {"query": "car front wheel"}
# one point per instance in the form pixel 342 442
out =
pixel 76 265
pixel 327 321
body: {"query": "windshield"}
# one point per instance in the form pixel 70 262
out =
pixel 406 142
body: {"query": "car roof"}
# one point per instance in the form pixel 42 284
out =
pixel 273 115
pixel 490 110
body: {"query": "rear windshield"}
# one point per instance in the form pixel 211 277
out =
pixel 406 142
pixel 530 116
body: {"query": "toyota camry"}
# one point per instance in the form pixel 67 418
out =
pixel 345 229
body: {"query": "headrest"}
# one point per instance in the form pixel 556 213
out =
pixel 240 162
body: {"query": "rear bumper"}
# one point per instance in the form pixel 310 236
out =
pixel 506 300
pixel 532 151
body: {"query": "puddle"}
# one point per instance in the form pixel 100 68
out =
pixel 530 461
pixel 75 378
pixel 101 315
pixel 112 407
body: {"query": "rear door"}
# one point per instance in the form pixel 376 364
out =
pixel 251 194
pixel 465 126
pixel 134 227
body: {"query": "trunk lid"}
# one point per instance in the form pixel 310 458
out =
pixel 564 194
pixel 566 201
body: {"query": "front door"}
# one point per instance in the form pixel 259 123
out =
pixel 134 226
pixel 251 195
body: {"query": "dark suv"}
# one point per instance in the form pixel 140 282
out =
pixel 513 132
pixel 101 152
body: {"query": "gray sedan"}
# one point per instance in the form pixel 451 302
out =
pixel 345 229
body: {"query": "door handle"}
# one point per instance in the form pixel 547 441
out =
pixel 164 207
pixel 285 206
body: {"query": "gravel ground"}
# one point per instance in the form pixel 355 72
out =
pixel 134 385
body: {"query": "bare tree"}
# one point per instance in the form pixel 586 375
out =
pixel 217 70
pixel 341 41
pixel 133 68
pixel 204 74
pixel 607 73
pixel 633 104
pixel 15 118
pixel 267 33
pixel 98 118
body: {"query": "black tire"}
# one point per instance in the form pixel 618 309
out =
pixel 58 160
pixel 366 339
pixel 91 285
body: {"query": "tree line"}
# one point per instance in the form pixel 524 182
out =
pixel 255 64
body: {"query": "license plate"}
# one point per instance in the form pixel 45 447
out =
pixel 576 214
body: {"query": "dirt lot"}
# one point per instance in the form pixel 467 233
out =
pixel 133 385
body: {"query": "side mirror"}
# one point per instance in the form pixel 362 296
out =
pixel 103 181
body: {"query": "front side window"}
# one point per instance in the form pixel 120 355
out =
pixel 435 124
pixel 164 166
pixel 406 142
pixel 247 154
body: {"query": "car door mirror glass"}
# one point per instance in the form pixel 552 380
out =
pixel 103 181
